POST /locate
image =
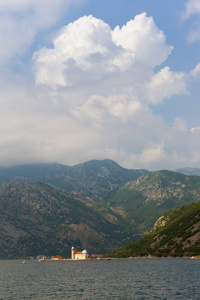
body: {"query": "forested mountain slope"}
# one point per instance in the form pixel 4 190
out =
pixel 176 234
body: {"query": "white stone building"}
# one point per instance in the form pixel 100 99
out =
pixel 79 255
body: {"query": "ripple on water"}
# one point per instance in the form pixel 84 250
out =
pixel 113 279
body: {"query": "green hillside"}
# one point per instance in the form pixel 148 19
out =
pixel 180 236
pixel 143 201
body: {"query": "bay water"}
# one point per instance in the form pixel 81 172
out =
pixel 112 279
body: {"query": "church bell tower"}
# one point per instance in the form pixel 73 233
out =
pixel 72 253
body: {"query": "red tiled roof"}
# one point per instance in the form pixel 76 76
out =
pixel 57 256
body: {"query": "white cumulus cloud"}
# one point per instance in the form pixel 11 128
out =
pixel 118 106
pixel 143 40
pixel 165 84
pixel 89 48
pixel 195 73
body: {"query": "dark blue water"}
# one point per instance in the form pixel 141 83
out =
pixel 113 279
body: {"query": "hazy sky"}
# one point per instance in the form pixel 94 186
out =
pixel 89 79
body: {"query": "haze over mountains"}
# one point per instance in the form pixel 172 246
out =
pixel 94 178
pixel 97 205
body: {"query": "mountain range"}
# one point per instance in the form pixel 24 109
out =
pixel 97 205
pixel 94 179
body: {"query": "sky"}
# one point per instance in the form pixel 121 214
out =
pixel 109 79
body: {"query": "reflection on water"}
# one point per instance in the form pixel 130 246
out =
pixel 113 279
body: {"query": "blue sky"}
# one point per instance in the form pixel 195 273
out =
pixel 86 79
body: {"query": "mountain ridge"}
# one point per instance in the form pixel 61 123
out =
pixel 96 205
pixel 95 178
pixel 189 171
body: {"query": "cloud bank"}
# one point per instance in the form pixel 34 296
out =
pixel 93 94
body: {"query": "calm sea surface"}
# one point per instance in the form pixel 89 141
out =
pixel 113 279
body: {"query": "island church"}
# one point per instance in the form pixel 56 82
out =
pixel 79 255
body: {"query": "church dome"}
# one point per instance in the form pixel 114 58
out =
pixel 84 251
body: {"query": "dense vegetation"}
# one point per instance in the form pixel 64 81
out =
pixel 180 236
